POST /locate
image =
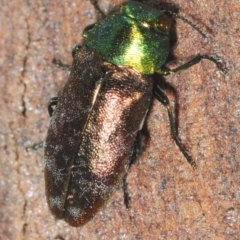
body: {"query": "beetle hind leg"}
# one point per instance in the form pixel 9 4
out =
pixel 162 97
pixel 135 152
pixel 136 149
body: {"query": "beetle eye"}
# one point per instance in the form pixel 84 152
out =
pixel 75 50
pixel 163 23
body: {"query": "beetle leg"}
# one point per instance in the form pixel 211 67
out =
pixel 214 58
pixel 61 65
pixel 35 146
pixel 162 97
pixel 97 8
pixel 52 102
pixel 136 149
pixel 135 152
pixel 126 197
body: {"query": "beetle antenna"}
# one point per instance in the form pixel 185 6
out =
pixel 175 15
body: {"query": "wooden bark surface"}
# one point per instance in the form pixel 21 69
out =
pixel 169 200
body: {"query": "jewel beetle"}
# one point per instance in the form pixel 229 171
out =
pixel 94 133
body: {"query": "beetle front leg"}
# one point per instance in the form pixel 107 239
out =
pixel 162 97
pixel 213 58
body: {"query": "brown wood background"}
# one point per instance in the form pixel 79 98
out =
pixel 169 199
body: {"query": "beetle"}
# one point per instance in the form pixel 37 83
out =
pixel 94 133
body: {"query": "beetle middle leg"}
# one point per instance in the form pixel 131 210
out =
pixel 162 97
pixel 135 152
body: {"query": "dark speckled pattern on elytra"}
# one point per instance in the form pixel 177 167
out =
pixel 91 134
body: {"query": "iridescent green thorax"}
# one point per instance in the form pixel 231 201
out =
pixel 135 36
